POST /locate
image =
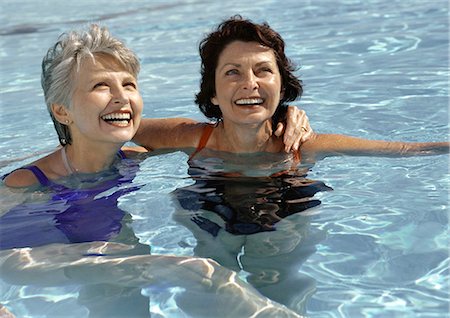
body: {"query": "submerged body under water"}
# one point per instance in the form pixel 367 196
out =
pixel 250 213
pixel 247 205
pixel 82 208
pixel 74 216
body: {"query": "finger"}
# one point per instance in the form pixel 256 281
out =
pixel 307 135
pixel 297 142
pixel 304 133
pixel 297 138
pixel 290 139
pixel 279 131
pixel 292 128
pixel 305 127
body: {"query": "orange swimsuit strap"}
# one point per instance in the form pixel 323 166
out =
pixel 207 131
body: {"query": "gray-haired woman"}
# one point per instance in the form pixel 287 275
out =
pixel 90 86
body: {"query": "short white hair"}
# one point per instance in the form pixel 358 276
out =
pixel 65 57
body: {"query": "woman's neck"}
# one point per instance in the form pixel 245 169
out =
pixel 247 138
pixel 83 159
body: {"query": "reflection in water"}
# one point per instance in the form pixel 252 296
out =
pixel 113 279
pixel 110 282
pixel 248 205
pixel 255 225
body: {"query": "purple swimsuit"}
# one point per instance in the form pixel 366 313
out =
pixel 72 215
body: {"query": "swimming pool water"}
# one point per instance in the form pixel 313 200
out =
pixel 376 246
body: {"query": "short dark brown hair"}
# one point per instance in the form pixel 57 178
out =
pixel 238 29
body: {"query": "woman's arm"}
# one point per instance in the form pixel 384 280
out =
pixel 159 133
pixel 323 145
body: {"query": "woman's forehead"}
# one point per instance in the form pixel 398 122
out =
pixel 102 61
pixel 100 65
pixel 239 50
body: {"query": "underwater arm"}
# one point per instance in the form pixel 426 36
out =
pixel 94 263
pixel 11 197
pixel 323 145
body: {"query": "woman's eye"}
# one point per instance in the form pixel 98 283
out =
pixel 100 84
pixel 266 69
pixel 232 72
pixel 130 84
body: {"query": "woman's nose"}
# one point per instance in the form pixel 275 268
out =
pixel 119 95
pixel 250 81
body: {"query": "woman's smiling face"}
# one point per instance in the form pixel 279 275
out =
pixel 106 103
pixel 248 83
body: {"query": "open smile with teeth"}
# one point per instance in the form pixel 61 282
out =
pixel 249 101
pixel 117 119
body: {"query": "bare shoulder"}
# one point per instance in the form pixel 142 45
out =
pixel 20 178
pixel 192 133
pixel 131 151
pixel 25 178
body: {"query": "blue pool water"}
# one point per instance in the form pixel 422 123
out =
pixel 376 246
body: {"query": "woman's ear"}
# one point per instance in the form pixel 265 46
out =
pixel 61 114
pixel 214 101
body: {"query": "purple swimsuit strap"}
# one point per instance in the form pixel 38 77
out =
pixel 42 178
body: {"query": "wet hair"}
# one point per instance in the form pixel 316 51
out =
pixel 238 29
pixel 64 58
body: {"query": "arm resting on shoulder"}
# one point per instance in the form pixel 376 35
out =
pixel 324 145
pixel 159 133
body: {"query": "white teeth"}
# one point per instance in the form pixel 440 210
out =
pixel 250 101
pixel 122 123
pixel 117 117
